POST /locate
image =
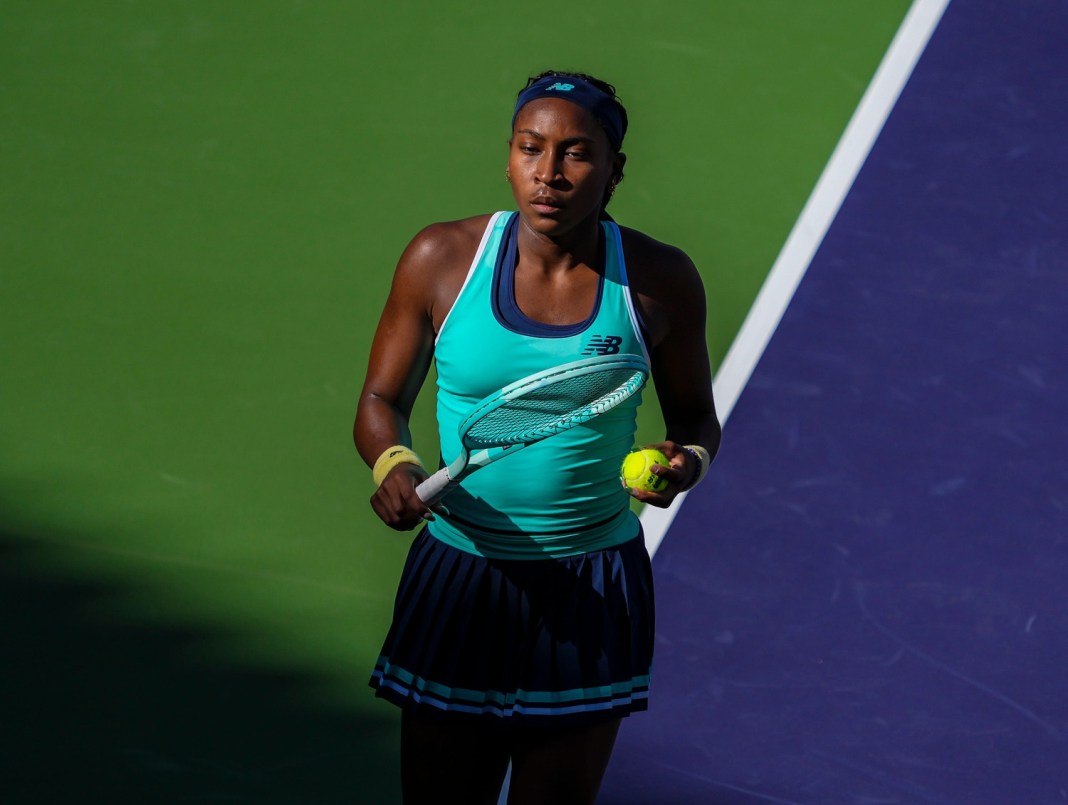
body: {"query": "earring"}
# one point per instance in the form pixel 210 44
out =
pixel 507 176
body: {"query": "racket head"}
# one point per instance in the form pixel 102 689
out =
pixel 553 401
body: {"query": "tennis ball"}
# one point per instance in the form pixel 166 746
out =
pixel 637 473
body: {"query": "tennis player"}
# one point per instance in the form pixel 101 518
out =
pixel 523 624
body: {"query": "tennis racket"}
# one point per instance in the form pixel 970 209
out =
pixel 534 408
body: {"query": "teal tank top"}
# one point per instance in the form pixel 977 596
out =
pixel 561 496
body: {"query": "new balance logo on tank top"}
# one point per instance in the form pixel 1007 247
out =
pixel 561 496
pixel 603 345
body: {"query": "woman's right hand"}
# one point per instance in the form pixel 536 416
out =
pixel 395 501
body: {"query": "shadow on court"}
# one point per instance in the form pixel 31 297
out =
pixel 94 710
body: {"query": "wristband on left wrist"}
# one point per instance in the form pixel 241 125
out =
pixel 702 460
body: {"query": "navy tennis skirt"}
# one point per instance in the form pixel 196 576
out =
pixel 539 642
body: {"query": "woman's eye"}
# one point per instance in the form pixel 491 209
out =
pixel 577 154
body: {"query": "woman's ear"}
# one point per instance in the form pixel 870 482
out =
pixel 617 174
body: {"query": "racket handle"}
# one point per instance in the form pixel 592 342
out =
pixel 435 487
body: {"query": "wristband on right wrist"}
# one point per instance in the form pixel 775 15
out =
pixel 390 458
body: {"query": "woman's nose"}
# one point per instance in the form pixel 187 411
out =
pixel 548 167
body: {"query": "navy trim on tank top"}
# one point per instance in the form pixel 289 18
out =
pixel 505 308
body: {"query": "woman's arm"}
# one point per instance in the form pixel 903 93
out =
pixel 424 286
pixel 671 297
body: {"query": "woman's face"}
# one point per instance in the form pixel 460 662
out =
pixel 560 163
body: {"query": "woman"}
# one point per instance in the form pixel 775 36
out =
pixel 522 630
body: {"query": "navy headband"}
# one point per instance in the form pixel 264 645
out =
pixel 572 88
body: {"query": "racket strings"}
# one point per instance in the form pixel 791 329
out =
pixel 554 407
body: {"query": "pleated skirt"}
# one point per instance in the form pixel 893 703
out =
pixel 541 642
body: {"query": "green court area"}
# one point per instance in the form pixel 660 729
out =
pixel 202 203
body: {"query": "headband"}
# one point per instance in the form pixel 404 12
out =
pixel 572 88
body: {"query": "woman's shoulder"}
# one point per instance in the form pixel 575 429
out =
pixel 664 282
pixel 651 263
pixel 446 239
pixel 433 267
pixel 442 247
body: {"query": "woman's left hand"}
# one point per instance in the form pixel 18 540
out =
pixel 678 475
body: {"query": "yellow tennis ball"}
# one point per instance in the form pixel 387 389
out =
pixel 637 470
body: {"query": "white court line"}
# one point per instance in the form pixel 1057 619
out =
pixel 811 227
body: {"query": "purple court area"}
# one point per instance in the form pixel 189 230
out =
pixel 866 601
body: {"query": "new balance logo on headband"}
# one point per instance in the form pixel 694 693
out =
pixel 561 87
pixel 603 345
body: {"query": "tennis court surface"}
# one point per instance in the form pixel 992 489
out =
pixel 864 603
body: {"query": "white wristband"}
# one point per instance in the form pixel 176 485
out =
pixel 700 455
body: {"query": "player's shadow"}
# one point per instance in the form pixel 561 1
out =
pixel 97 711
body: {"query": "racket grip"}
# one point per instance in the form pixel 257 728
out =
pixel 435 487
